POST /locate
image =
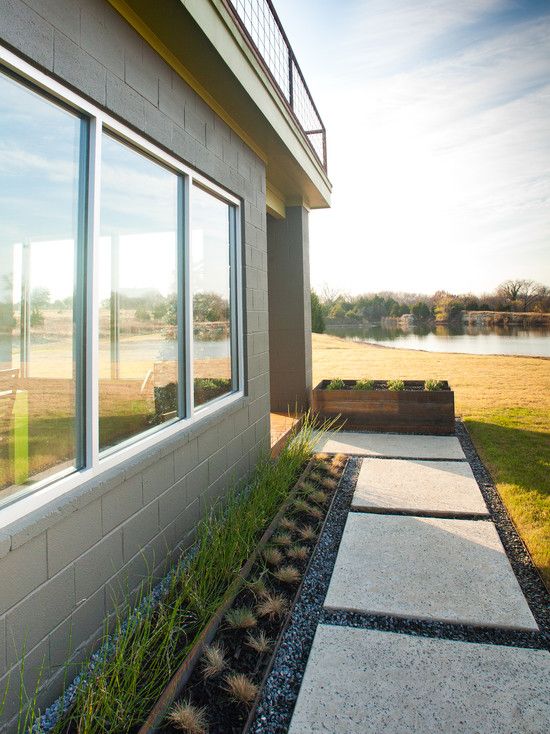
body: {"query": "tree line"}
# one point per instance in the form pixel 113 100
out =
pixel 517 295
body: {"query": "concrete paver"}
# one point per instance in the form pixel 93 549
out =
pixel 391 445
pixel 361 681
pixel 434 487
pixel 427 568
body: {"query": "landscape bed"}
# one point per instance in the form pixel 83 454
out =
pixel 218 686
pixel 149 639
pixel 400 406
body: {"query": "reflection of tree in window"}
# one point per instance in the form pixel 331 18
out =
pixel 211 274
pixel 138 347
pixel 41 197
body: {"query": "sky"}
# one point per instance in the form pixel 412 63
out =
pixel 438 133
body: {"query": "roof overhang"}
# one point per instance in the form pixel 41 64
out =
pixel 202 42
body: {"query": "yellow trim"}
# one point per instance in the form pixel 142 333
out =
pixel 274 202
pixel 154 41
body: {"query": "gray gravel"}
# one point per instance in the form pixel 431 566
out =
pixel 283 684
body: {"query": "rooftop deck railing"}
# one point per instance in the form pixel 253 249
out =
pixel 262 28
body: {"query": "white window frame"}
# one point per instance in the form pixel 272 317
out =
pixel 53 487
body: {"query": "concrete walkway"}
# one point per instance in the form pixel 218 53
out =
pixel 419 545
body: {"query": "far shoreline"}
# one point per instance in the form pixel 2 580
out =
pixel 376 345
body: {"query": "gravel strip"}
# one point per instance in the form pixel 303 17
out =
pixel 431 628
pixel 275 709
pixel 536 593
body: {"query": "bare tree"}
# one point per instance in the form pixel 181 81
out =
pixel 520 292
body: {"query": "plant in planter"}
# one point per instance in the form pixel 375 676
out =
pixel 188 718
pixel 260 643
pixel 395 385
pixel 214 661
pixel 364 385
pixel 398 406
pixel 434 385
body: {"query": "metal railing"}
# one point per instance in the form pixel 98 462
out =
pixel 262 28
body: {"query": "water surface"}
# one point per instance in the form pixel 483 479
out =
pixel 533 342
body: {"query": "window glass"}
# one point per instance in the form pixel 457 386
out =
pixel 41 199
pixel 211 281
pixel 138 353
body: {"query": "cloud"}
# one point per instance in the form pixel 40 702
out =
pixel 441 162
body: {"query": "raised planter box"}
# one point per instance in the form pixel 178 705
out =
pixel 412 410
pixel 176 688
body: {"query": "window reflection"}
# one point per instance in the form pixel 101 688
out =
pixel 211 280
pixel 138 313
pixel 40 202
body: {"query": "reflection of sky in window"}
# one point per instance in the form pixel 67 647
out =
pixel 39 157
pixel 141 268
pixel 137 194
pixel 210 244
pixel 51 267
pixel 139 207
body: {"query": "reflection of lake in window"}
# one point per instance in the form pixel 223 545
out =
pixel 210 261
pixel 40 197
pixel 138 358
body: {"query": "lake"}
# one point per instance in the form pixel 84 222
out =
pixel 533 342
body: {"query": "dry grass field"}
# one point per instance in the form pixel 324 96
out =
pixel 505 403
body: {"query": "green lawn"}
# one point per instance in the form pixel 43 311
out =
pixel 505 403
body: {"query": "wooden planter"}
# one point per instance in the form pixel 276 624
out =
pixel 154 721
pixel 413 410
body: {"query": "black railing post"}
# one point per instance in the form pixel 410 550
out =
pixel 290 80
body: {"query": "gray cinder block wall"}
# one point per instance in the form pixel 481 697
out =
pixel 61 568
pixel 289 310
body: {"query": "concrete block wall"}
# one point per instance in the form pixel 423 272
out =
pixel 62 568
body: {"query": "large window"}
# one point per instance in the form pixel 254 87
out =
pixel 119 289
pixel 42 175
pixel 138 321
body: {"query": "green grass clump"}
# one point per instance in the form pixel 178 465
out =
pixel 434 385
pixel 336 384
pixel 307 488
pixel 364 385
pixel 395 385
pixel 241 618
pixel 146 649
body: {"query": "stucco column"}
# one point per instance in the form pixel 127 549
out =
pixel 289 310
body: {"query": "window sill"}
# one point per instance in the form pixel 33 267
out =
pixel 43 506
